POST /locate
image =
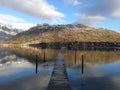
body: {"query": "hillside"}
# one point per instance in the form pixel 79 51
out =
pixel 65 33
pixel 7 31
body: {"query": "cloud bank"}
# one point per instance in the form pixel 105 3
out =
pixel 35 8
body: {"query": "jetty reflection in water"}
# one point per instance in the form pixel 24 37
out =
pixel 87 70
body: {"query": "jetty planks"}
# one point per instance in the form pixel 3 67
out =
pixel 59 79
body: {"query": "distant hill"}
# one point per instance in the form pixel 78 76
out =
pixel 7 31
pixel 64 33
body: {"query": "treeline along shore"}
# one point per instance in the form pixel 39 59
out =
pixel 81 45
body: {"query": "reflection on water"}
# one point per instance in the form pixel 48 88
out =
pixel 97 70
pixel 87 70
pixel 31 53
pixel 17 69
pixel 73 58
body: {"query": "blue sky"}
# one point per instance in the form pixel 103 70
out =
pixel 27 13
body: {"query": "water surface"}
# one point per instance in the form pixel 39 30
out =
pixel 99 70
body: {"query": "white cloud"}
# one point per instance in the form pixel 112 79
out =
pixel 57 21
pixel 36 8
pixel 89 20
pixel 5 18
pixel 24 26
pixel 71 2
pixel 16 22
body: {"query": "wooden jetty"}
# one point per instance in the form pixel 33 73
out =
pixel 59 79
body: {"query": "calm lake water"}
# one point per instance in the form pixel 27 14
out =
pixel 99 70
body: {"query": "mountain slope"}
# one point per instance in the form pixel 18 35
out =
pixel 65 33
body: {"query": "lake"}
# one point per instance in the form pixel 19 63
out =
pixel 86 69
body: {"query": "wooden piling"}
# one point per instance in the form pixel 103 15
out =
pixel 36 71
pixel 82 65
pixel 44 56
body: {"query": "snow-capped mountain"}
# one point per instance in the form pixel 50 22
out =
pixel 7 31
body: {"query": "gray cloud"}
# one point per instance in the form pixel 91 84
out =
pixel 109 8
pixel 36 8
pixel 93 12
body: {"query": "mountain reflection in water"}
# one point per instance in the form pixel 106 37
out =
pixel 99 67
pixel 71 57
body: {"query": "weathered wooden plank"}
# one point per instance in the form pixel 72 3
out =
pixel 59 79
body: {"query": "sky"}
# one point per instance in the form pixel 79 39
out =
pixel 27 13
